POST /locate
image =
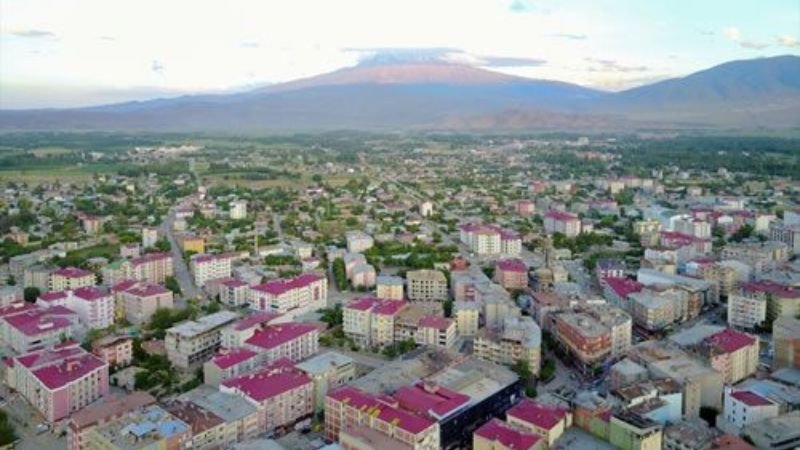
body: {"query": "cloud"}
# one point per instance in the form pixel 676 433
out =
pixel 157 67
pixel 510 61
pixel 573 36
pixel 754 45
pixel 787 40
pixel 525 6
pixel 249 44
pixel 377 56
pixel 609 65
pixel 33 34
pixel 734 34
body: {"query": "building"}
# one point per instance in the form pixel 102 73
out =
pixel 426 209
pixel 732 353
pixel 282 393
pixel 362 276
pixel 142 300
pixel 82 422
pixel 525 207
pixel 467 314
pixel 787 234
pixel 94 306
pixel 778 433
pixel 426 285
pixel 626 373
pixel 520 339
pixel 512 274
pixel 631 432
pixel 389 287
pixel 291 296
pixel 114 350
pixel 592 413
pixel 10 294
pixel 547 421
pixel 328 371
pixel 609 268
pixel 656 309
pixel 347 407
pixel 210 267
pixel 148 427
pixel 658 400
pixel 26 327
pixel 238 210
pixel 761 256
pixel 59 381
pixel 437 331
pixel 233 292
pixel 371 321
pixel 701 292
pixel 358 241
pixel 490 240
pixel 149 237
pixel 240 417
pixel 498 435
pixel 150 267
pixel 70 278
pixel 189 344
pixel 689 434
pixel 742 407
pixel 192 243
pixel 208 430
pixel 760 303
pixel 562 222
pixel 786 343
pixel 583 336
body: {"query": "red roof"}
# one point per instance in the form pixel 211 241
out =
pixel 538 414
pixel 35 322
pixel 560 215
pixel 377 306
pixel 496 430
pixel 750 398
pixel 770 287
pixel 438 322
pixel 387 409
pixel 275 335
pixel 730 340
pixel 53 296
pixel 123 285
pixel 259 318
pixel 147 290
pixel 233 282
pixel 150 257
pixel 623 286
pixel 90 293
pixel 56 369
pixel 16 308
pixel 72 272
pixel 511 265
pixel 278 287
pixel 229 358
pixel 435 401
pixel 272 380
pixel 363 303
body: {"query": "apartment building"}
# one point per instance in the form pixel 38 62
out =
pixel 562 222
pixel 60 381
pixel 780 300
pixel 786 343
pixel 358 241
pixel 143 428
pixel 94 306
pixel 328 371
pixel 238 210
pixel 467 314
pixel 26 327
pixel 192 243
pixel 490 239
pixel 233 291
pixel 498 435
pixel 743 407
pixel 70 278
pixel 700 292
pixel 282 393
pixel 389 287
pixel 657 309
pixel 210 267
pixel 291 297
pixel 525 207
pixel 150 267
pixel 732 353
pixel 237 333
pixel 520 339
pixel 97 414
pixel 141 300
pixel 10 294
pixel 588 340
pixel 189 344
pixel 240 418
pixel 149 237
pixel 362 276
pixel 426 285
pixel 512 274
pixel 371 321
pixel 787 234
pixel 114 350
pixel 436 331
pixel 548 421
pixel 628 431
pixel 761 256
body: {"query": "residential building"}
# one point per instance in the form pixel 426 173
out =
pixel 140 301
pixel 362 276
pixel 82 422
pixel 787 234
pixel 192 243
pixel 625 373
pixel 291 296
pixel 149 427
pixel 371 321
pixel 525 207
pixel 689 434
pixel 59 381
pixel 512 274
pixel 407 320
pixel 786 343
pixel 490 240
pixel 114 350
pixel 658 400
pixel 389 287
pixel 94 306
pixel 520 339
pixel 233 292
pixel 426 285
pixel 547 421
pixel 498 435
pixel 609 268
pixel 562 222
pixel 586 338
pixel 743 407
pixel 282 393
pixel 777 433
pixel 437 331
pixel 426 209
pixel 238 210
pixel 26 327
pixel 210 267
pixel 189 344
pixel 358 241
pixel 149 237
pixel 10 294
pixel 761 256
pixel 70 278
pixel 328 371
pixel 732 353
pixel 467 314
pixel 240 417
pixel 150 267
pixel 630 432
pixel 655 309
pixel 701 292
pixel 592 413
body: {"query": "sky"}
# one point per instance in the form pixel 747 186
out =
pixel 66 53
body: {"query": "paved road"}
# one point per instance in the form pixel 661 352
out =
pixel 276 223
pixel 182 274
pixel 365 360
pixel 25 419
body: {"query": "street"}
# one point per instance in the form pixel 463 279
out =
pixel 182 274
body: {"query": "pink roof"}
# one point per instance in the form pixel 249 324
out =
pixel 16 308
pixel 233 282
pixel 150 257
pixel 511 265
pixel 278 287
pixel 770 287
pixel 623 286
pixel 273 379
pixel 378 306
pixel 435 401
pixel 57 368
pixel 729 340
pixel 750 398
pixel 33 323
pixel 387 409
pixel 53 296
pixel 72 272
pixel 147 290
pixel 259 318
pixel 90 293
pixel 562 216
pixel 124 285
pixel 539 414
pixel 363 303
pixel 275 335
pixel 498 431
pixel 229 358
pixel 438 322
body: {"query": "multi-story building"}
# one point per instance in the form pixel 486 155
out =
pixel 426 209
pixel 655 310
pixel 690 434
pixel 362 276
pixel 498 435
pixel 743 407
pixel 658 400
pixel 436 331
pixel 609 268
pixel 547 421
pixel 347 407
pixel 692 226
pixel 237 333
pixel 761 256
pixel 233 292
pixel 192 243
pixel 525 207
pixel 328 371
pixel 732 353
pixel 59 381
pixel 82 422
pixel 282 393
pixel 723 275
pixel 238 210
pixel 291 297
pixel 520 339
pixel 778 433
pixel 94 306
pixel 26 327
pixel 150 267
pixel 115 350
pixel 512 274
pixel 562 222
pixel 584 337
pixel 786 343
pixel 10 294
pixel 240 418
pixel 189 344
pixel 389 287
pixel 358 241
pixel 629 431
pixel 426 285
pixel 210 267
pixel 788 234
pixel 701 292
pixel 143 428
pixel 70 278
pixel 141 300
pixel 149 237
pixel 371 321
pixel 490 240
pixel 467 314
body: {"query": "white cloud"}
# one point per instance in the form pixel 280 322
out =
pixel 787 40
pixel 732 33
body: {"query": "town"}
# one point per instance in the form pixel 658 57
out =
pixel 365 291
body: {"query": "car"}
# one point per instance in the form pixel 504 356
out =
pixel 42 428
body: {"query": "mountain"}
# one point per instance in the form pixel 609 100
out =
pixel 440 95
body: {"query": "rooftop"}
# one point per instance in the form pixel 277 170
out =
pixel 370 438
pixel 729 340
pixel 511 265
pixel 109 407
pixel 383 408
pixel 272 336
pixel 279 287
pixel 73 272
pixel 496 430
pixel 431 400
pixel 539 414
pixel 203 324
pixel 623 286
pixel 750 398
pixel 229 407
pixel 141 428
pixel 440 323
pixel 230 357
pixel 320 364
pixel 271 380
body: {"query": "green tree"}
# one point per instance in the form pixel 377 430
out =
pixel 447 306
pixel 340 274
pixel 7 433
pixel 172 284
pixel 31 293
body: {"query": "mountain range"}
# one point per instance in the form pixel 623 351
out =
pixel 431 95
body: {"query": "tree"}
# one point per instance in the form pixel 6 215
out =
pixel 172 284
pixel 332 316
pixel 340 274
pixel 7 434
pixel 448 308
pixel 30 294
pixel 744 232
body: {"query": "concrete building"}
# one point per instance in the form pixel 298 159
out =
pixel 94 305
pixel 732 353
pixel 358 241
pixel 362 276
pixel 149 237
pixel 498 435
pixel 189 344
pixel 10 294
pixel 658 400
pixel 777 433
pixel 240 418
pixel 192 243
pixel 786 343
pixel 82 422
pixel 328 371
pixel 291 296
pixel 690 434
pixel 742 407
pixel 630 432
pixel 525 207
pixel 467 314
pixel 70 278
pixel 114 350
pixel 233 292
pixel 512 274
pixel 145 428
pixel 210 267
pixel 547 421
pixel 426 209
pixel 389 287
pixel 437 331
pixel 518 339
pixel 426 285
pixel 490 240
pixel 584 337
pixel 238 210
pixel 656 309
pixel 150 267
pixel 26 327
pixel 761 256
pixel 141 300
pixel 626 373
pixel 562 222
pixel 371 321
pixel 787 234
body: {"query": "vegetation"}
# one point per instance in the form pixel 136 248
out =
pixel 399 348
pixel 340 274
pixel 7 434
pixel 164 318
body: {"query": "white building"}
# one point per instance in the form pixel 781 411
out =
pixel 210 267
pixel 149 237
pixel 238 209
pixel 358 241
pixel 741 407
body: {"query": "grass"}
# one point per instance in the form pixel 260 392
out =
pixel 66 174
pixel 303 182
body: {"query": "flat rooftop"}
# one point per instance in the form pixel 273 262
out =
pixel 319 364
pixel 203 324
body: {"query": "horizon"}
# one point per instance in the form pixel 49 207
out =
pixel 54 57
